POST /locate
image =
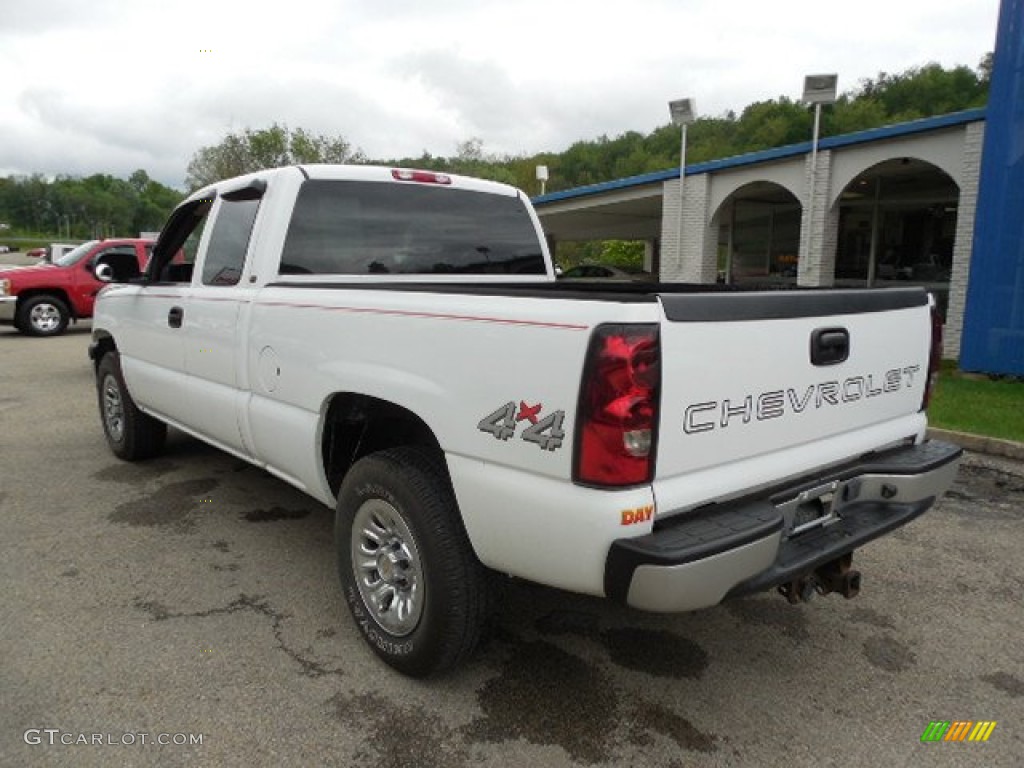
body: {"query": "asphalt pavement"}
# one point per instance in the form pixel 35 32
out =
pixel 193 600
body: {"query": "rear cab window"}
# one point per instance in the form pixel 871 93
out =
pixel 380 228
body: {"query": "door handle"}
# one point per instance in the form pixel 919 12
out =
pixel 830 346
pixel 175 316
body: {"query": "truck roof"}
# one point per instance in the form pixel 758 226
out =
pixel 375 173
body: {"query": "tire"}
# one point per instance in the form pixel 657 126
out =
pixel 42 315
pixel 131 434
pixel 398 531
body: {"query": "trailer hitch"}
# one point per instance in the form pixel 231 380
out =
pixel 834 576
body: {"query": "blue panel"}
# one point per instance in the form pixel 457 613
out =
pixel 993 339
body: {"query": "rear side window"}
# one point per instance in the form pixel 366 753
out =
pixel 229 240
pixel 361 228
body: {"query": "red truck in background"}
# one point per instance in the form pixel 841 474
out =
pixel 41 300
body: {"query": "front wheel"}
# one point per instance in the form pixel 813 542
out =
pixel 131 434
pixel 408 573
pixel 42 316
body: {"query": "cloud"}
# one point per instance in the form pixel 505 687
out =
pixel 27 18
pixel 480 95
pixel 110 87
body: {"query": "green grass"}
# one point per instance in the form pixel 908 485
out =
pixel 979 405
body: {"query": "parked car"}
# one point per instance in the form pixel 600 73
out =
pixel 41 300
pixel 58 251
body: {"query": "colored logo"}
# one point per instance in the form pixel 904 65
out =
pixel 958 730
pixel 638 515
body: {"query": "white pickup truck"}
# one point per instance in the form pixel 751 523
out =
pixel 395 344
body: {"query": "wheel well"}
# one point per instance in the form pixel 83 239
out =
pixel 57 293
pixel 358 425
pixel 103 344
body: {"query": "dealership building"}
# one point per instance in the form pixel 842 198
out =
pixel 937 202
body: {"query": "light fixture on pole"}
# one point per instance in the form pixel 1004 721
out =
pixel 683 112
pixel 542 176
pixel 818 90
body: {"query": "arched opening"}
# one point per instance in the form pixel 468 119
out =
pixel 897 226
pixel 758 235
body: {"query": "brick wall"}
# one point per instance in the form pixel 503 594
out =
pixel 817 265
pixel 964 242
pixel 698 261
pixel 671 261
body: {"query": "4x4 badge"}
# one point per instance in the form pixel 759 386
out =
pixel 546 432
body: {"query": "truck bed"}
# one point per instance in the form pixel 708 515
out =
pixel 717 299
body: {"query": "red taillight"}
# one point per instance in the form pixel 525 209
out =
pixel 618 410
pixel 426 177
pixel 934 357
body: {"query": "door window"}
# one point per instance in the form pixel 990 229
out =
pixel 229 241
pixel 175 252
pixel 122 259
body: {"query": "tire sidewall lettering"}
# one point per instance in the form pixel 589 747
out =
pixel 372 631
pixel 124 415
pixel 114 376
pixel 374 491
pixel 413 481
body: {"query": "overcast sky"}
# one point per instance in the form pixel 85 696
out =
pixel 109 86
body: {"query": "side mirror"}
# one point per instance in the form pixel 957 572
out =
pixel 104 273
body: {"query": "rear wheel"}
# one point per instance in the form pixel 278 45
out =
pixel 408 573
pixel 131 434
pixel 42 316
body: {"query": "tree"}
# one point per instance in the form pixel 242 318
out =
pixel 626 254
pixel 470 160
pixel 855 115
pixel 139 179
pixel 97 206
pixel 309 147
pixel 926 91
pixel 253 150
pixel 985 70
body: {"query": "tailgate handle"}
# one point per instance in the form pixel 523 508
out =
pixel 830 346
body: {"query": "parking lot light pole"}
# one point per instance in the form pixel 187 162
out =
pixel 542 176
pixel 683 112
pixel 818 90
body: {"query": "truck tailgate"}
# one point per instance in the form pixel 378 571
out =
pixel 757 387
